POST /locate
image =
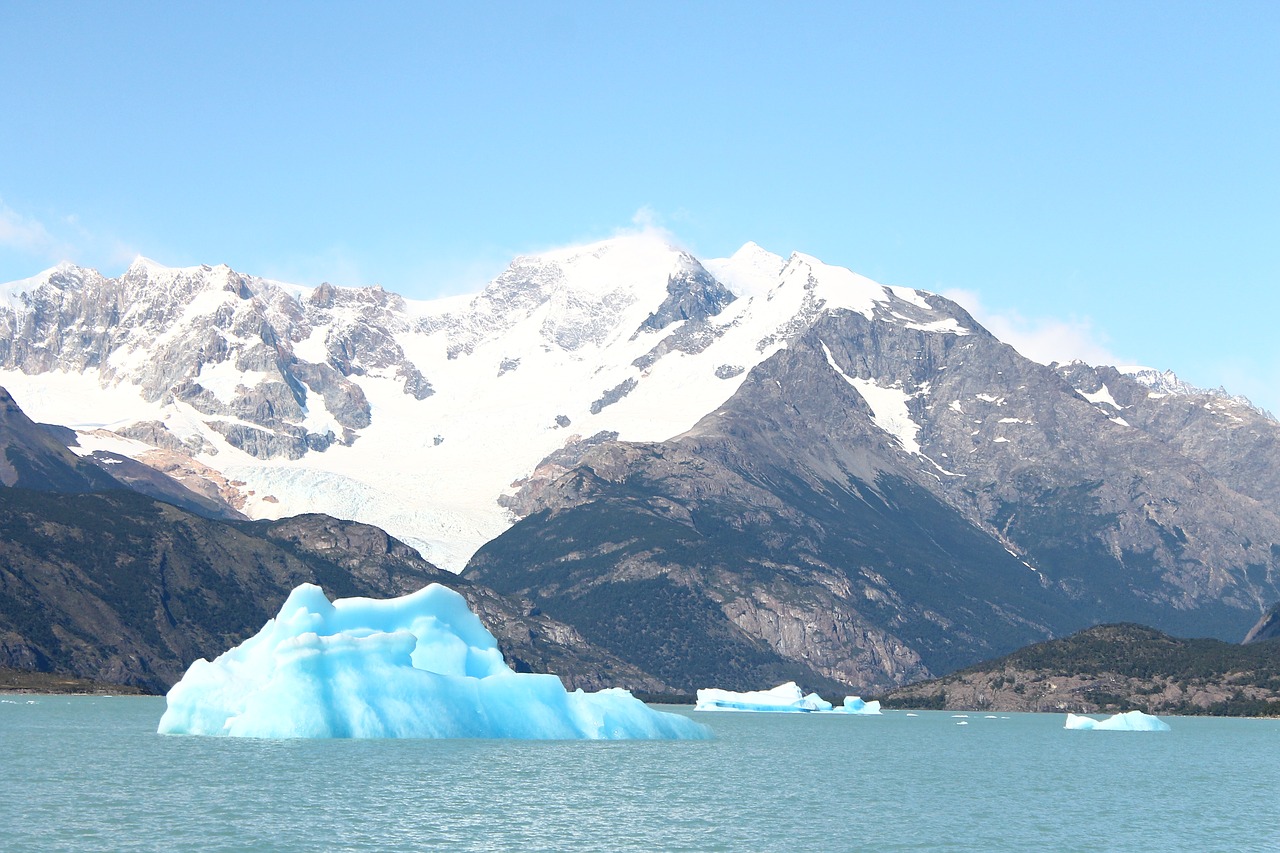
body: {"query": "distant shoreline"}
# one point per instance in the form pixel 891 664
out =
pixel 25 681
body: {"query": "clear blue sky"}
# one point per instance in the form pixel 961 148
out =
pixel 1103 178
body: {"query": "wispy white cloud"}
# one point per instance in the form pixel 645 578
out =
pixel 1042 339
pixel 29 240
pixel 29 236
pixel 94 248
pixel 645 222
pixel 646 218
pixel 649 221
pixel 1050 339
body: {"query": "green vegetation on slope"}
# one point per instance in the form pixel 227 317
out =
pixel 1111 668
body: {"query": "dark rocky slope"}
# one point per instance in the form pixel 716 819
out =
pixel 750 551
pixel 101 581
pixel 39 456
pixel 1267 628
pixel 119 588
pixel 797 531
pixel 36 457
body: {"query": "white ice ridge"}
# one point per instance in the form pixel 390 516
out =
pixel 786 698
pixel 419 666
pixel 1133 721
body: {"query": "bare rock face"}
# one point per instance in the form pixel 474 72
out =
pixel 798 627
pixel 613 395
pixel 1267 628
pixel 178 334
pixel 415 384
pixel 290 443
pixel 159 436
pixel 361 327
pixel 1233 440
pixel 550 469
pixel 692 294
pixel 342 398
pixel 197 477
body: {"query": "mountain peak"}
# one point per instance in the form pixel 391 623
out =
pixel 12 292
pixel 630 261
pixel 750 271
pixel 1167 383
pixel 143 264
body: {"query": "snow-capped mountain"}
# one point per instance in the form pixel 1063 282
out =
pixel 1163 383
pixel 415 416
pixel 745 470
pixel 882 500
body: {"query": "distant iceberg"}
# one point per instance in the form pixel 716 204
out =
pixel 783 698
pixel 418 666
pixel 855 705
pixel 1133 721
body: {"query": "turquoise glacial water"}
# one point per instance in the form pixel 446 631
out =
pixel 90 773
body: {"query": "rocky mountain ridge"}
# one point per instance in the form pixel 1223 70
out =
pixel 854 459
pixel 736 472
pixel 296 392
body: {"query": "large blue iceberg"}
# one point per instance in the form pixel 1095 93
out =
pixel 420 666
pixel 1133 721
pixel 785 698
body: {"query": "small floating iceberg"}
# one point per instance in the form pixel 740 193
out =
pixel 1133 721
pixel 855 705
pixel 783 698
pixel 418 666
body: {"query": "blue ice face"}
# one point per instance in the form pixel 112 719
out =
pixel 421 665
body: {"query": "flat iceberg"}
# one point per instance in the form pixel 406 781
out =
pixel 1132 721
pixel 855 705
pixel 419 666
pixel 783 698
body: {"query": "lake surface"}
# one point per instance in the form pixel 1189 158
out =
pixel 89 773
